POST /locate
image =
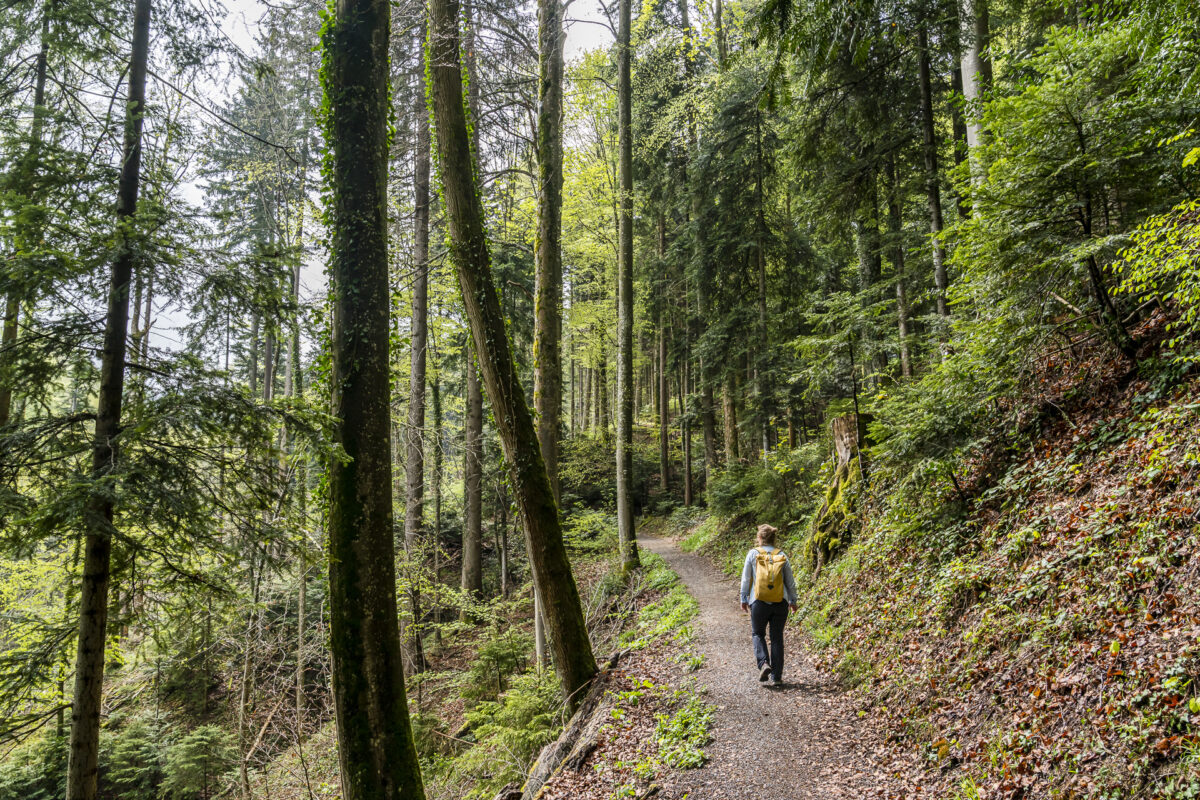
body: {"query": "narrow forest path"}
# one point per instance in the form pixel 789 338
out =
pixel 800 741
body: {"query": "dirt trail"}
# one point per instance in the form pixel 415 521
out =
pixel 799 741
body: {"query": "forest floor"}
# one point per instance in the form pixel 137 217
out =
pixel 804 739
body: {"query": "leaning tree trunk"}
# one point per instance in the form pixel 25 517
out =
pixel 375 746
pixel 572 650
pixel 626 534
pixel 83 755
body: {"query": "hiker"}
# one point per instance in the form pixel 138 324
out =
pixel 768 589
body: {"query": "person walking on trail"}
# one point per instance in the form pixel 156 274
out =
pixel 768 590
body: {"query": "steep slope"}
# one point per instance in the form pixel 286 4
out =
pixel 1046 645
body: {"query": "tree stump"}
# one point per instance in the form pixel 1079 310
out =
pixel 837 519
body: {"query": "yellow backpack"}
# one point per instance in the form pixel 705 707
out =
pixel 768 576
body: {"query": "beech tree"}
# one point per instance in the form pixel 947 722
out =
pixel 375 745
pixel 626 535
pixel 573 658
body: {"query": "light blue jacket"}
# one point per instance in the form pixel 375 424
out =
pixel 789 581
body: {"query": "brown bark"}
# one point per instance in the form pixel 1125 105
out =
pixel 627 536
pixel 26 235
pixel 932 181
pixel 472 564
pixel 547 335
pixel 414 490
pixel 664 416
pixel 729 403
pixel 573 658
pixel 896 251
pixel 685 426
pixel 83 752
pixel 375 745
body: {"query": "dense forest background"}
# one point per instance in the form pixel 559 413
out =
pixel 708 242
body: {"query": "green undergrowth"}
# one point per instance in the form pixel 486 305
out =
pixel 513 709
pixel 671 728
pixel 1034 625
pixel 665 618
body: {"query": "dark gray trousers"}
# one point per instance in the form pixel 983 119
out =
pixel 764 616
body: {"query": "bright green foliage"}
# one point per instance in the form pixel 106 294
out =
pixel 504 652
pixel 1163 263
pixel 134 755
pixel 667 616
pixel 681 734
pixel 778 492
pixel 195 765
pixel 507 732
pixel 35 770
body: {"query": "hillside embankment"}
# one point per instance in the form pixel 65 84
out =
pixel 1038 635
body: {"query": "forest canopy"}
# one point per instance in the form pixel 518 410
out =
pixel 339 348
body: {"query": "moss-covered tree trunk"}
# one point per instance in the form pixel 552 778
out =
pixel 375 745
pixel 626 534
pixel 83 755
pixel 547 335
pixel 569 642
pixel 836 520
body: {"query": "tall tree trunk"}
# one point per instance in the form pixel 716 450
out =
pixel 932 181
pixel 294 386
pixel 547 334
pixel 573 658
pixel 661 390
pixel 435 391
pixel 28 231
pixel 603 415
pixel 762 367
pixel 896 248
pixel 870 257
pixel 375 745
pixel 976 76
pixel 729 402
pixel 626 534
pixel 269 364
pixel 414 489
pixel 472 565
pixel 664 412
pixel 83 755
pixel 685 426
pixel 253 368
pixel 719 24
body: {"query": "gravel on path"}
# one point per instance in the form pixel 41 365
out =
pixel 800 741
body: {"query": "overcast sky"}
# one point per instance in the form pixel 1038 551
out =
pixel 586 27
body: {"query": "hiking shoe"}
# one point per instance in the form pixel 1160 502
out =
pixel 776 682
pixel 763 673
